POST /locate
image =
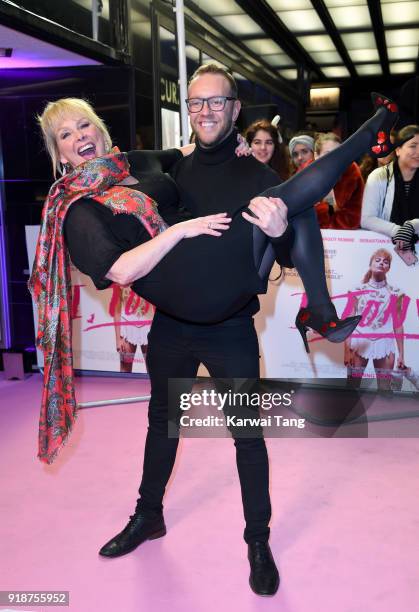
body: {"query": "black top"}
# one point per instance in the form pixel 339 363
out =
pixel 406 197
pixel 96 237
pixel 214 180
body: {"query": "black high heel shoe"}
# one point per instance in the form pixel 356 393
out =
pixel 333 329
pixel 383 145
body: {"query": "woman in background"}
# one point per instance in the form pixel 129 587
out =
pixel 341 208
pixel 263 139
pixel 301 148
pixel 391 198
pixel 132 318
pixel 380 304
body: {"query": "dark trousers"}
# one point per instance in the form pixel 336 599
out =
pixel 175 350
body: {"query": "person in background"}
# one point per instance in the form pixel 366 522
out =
pixel 301 149
pixel 263 139
pixel 380 335
pixel 391 198
pixel 341 208
pixel 132 318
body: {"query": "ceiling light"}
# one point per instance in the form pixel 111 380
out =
pixel 401 38
pixel 351 16
pixel 364 55
pixel 359 40
pixel 335 72
pixel 240 25
pixel 278 59
pixel 289 5
pixel 263 46
pixel 395 13
pixel 402 53
pixel 326 57
pixel 324 97
pixel 192 52
pixel 330 3
pixel 302 21
pixel 166 35
pixel 219 7
pixel 402 67
pixel 368 69
pixel 290 74
pixel 320 42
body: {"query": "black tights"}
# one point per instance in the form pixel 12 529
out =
pixel 300 193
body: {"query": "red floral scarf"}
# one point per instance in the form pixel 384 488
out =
pixel 50 282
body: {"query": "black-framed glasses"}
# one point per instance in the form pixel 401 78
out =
pixel 215 103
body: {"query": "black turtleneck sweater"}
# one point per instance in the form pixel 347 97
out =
pixel 214 180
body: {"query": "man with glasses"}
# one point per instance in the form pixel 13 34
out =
pixel 213 180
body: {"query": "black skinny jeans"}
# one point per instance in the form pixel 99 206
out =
pixel 229 349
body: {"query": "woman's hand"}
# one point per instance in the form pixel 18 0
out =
pixel 213 225
pixel 125 347
pixel 187 149
pixel 400 363
pixel 122 345
pixel 404 237
pixel 242 149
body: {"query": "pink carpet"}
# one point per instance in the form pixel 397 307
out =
pixel 345 526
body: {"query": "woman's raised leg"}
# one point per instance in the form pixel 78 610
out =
pixel 301 192
pixel 312 183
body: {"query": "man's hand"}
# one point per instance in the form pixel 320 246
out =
pixel 271 215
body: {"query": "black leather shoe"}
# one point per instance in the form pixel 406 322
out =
pixel 264 577
pixel 139 529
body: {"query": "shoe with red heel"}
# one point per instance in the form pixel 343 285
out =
pixel 383 146
pixel 330 327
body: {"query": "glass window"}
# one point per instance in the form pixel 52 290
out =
pixel 73 14
pixel 168 52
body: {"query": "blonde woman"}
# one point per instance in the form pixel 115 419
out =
pixel 133 316
pixel 380 332
pixel 341 209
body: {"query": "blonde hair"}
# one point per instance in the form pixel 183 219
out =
pixel 326 137
pixel 56 111
pixel 382 252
